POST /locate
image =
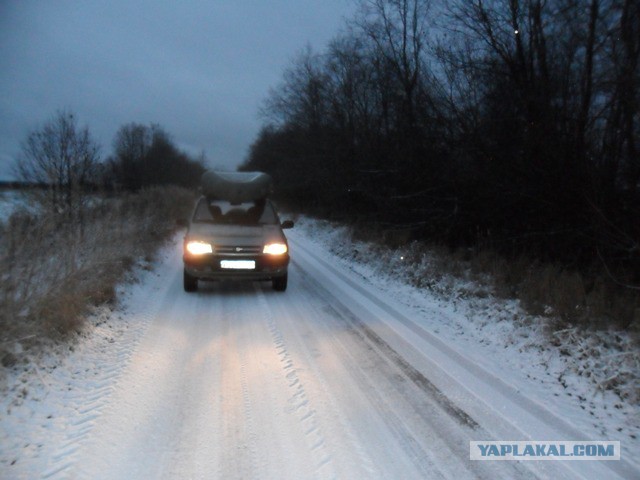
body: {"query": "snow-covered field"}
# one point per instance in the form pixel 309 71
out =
pixel 352 373
pixel 10 201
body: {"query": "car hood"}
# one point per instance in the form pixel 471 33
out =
pixel 233 235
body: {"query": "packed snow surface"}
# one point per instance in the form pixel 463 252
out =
pixel 350 373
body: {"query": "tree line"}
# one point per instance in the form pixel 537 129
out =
pixel 510 124
pixel 64 160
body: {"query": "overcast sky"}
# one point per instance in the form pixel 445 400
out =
pixel 198 68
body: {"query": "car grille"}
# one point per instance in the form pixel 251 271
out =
pixel 239 250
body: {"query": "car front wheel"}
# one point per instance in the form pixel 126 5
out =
pixel 190 282
pixel 280 283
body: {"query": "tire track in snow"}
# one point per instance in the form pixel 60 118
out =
pixel 299 401
pixel 233 462
pixel 366 369
pixel 88 403
pixel 252 438
pixel 412 373
pixel 430 438
pixel 304 328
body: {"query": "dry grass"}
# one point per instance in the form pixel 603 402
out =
pixel 54 270
pixel 586 317
pixel 567 298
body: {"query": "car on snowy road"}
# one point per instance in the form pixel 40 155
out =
pixel 236 240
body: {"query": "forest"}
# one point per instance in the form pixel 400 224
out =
pixel 508 125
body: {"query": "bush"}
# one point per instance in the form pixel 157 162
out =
pixel 54 270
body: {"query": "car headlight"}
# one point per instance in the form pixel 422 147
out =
pixel 195 247
pixel 275 249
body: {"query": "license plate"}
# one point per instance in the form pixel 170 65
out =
pixel 238 264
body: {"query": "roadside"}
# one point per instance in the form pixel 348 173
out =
pixel 571 372
pixel 44 398
pixel 57 266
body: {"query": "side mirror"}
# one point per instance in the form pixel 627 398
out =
pixel 287 224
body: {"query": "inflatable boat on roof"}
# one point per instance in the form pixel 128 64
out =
pixel 236 187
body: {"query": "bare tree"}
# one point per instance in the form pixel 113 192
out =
pixel 146 156
pixel 628 90
pixel 302 99
pixel 131 147
pixel 399 30
pixel 61 157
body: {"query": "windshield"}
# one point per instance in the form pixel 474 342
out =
pixel 225 213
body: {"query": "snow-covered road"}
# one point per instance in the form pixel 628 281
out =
pixel 330 379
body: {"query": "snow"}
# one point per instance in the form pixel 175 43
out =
pixel 499 336
pixel 239 379
pixel 10 201
pixel 50 397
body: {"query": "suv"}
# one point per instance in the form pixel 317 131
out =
pixel 235 240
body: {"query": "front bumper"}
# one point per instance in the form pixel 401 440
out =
pixel 208 267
